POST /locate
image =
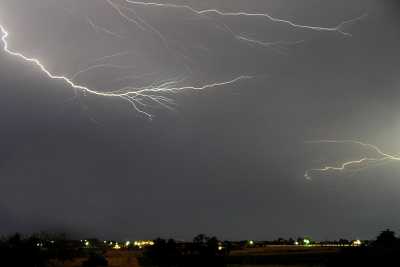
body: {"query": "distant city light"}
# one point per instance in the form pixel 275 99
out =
pixel 143 243
pixel 357 243
pixel 306 241
pixel 251 242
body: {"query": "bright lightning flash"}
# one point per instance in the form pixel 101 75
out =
pixel 135 96
pixel 379 158
pixel 339 28
pixel 157 93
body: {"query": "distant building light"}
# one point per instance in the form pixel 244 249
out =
pixel 143 243
pixel 306 241
pixel 357 243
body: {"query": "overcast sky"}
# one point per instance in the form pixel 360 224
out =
pixel 228 161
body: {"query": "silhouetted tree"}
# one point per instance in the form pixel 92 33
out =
pixel 386 238
pixel 344 241
pixel 163 253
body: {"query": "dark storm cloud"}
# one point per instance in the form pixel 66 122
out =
pixel 229 161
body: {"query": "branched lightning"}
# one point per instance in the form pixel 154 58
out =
pixel 339 28
pixel 205 13
pixel 277 44
pixel 123 15
pixel 158 91
pixel 137 97
pixel 119 54
pixel 380 156
pixel 98 28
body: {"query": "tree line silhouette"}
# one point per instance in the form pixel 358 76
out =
pixel 49 250
pixel 45 250
pixel 203 251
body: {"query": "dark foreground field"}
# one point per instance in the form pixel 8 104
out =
pixel 115 258
pixel 270 256
pixel 289 256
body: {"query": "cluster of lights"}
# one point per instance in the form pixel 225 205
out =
pixel 143 243
pixel 113 245
pixel 307 242
pixel 127 244
pixel 41 244
pixel 118 245
pixel 304 242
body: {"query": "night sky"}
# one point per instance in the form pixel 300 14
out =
pixel 227 161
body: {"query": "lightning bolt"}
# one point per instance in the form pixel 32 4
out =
pixel 98 28
pixel 119 54
pixel 157 93
pixel 137 97
pixel 205 13
pixel 339 28
pixel 380 157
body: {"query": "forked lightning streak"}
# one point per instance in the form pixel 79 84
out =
pixel 135 96
pixel 380 156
